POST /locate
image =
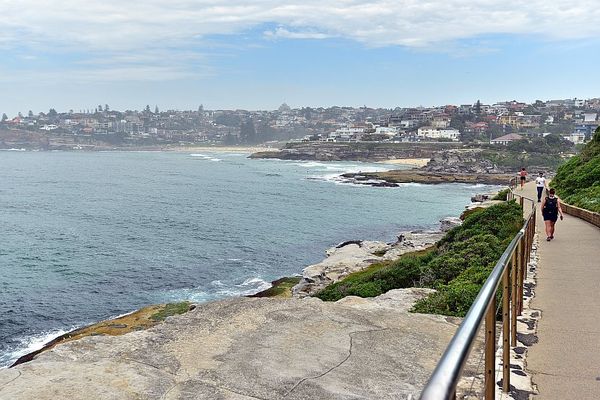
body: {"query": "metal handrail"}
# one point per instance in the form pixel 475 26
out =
pixel 445 377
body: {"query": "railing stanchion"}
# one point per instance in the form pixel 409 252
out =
pixel 514 301
pixel 490 350
pixel 521 268
pixel 505 332
pixel 521 201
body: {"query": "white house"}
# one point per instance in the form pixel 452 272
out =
pixel 385 130
pixel 431 132
pixel 506 139
pixel 50 127
pixel 575 137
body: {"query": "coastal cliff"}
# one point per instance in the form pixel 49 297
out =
pixel 363 151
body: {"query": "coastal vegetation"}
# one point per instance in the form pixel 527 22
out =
pixel 538 152
pixel 457 266
pixel 502 195
pixel 577 181
pixel 281 288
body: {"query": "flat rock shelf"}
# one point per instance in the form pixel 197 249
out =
pixel 251 348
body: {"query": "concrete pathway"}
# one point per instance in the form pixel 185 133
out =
pixel 565 363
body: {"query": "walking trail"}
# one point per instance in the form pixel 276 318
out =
pixel 565 363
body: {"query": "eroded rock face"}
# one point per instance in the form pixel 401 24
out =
pixel 449 222
pixel 355 256
pixel 323 151
pixel 461 161
pixel 250 349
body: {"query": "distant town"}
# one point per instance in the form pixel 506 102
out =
pixel 104 128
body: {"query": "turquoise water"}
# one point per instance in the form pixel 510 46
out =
pixel 88 236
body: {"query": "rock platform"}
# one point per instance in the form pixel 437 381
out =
pixel 247 348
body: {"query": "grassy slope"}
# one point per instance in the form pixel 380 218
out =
pixel 578 180
pixel 457 266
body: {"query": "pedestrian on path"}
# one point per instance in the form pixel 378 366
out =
pixel 523 175
pixel 550 210
pixel 540 184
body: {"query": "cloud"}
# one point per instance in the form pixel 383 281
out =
pixel 111 24
pixel 287 34
pixel 129 34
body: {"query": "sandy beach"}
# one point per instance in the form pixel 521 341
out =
pixel 417 162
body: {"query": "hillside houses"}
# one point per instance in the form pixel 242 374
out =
pixel 574 119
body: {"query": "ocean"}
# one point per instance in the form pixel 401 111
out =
pixel 89 236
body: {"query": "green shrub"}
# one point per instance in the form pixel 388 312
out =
pixel 502 195
pixel 577 181
pixel 456 267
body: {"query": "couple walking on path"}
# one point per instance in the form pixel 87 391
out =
pixel 550 206
pixel 540 182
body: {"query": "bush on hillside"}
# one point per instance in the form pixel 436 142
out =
pixel 502 195
pixel 578 180
pixel 456 267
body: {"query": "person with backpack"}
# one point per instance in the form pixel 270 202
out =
pixel 540 184
pixel 550 210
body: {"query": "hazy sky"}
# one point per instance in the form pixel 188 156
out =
pixel 257 54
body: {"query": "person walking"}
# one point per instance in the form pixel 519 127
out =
pixel 540 184
pixel 523 175
pixel 550 210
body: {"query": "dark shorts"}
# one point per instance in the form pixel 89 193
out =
pixel 522 178
pixel 550 217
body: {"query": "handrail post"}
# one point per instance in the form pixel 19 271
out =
pixel 505 332
pixel 521 201
pixel 490 350
pixel 521 269
pixel 513 299
pixel 519 272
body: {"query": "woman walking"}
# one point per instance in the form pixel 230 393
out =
pixel 550 210
pixel 523 175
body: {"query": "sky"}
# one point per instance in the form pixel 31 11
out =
pixel 258 54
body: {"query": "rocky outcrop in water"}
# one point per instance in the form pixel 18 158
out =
pixel 396 177
pixel 251 349
pixel 353 256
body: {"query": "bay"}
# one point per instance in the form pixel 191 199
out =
pixel 88 236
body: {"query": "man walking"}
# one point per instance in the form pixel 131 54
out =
pixel 540 184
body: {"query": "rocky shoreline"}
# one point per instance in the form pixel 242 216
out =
pixel 356 151
pixel 288 344
pixel 394 178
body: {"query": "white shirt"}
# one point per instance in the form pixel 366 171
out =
pixel 540 181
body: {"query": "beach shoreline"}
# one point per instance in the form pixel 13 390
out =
pixel 417 162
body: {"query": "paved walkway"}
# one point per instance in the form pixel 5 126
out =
pixel 566 362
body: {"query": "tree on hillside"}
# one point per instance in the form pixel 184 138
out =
pixel 477 107
pixel 248 132
pixel 4 117
pixel 229 139
pixel 147 109
pixel 106 108
pixel 155 109
pixel 100 107
pixel 30 114
pixel 52 113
